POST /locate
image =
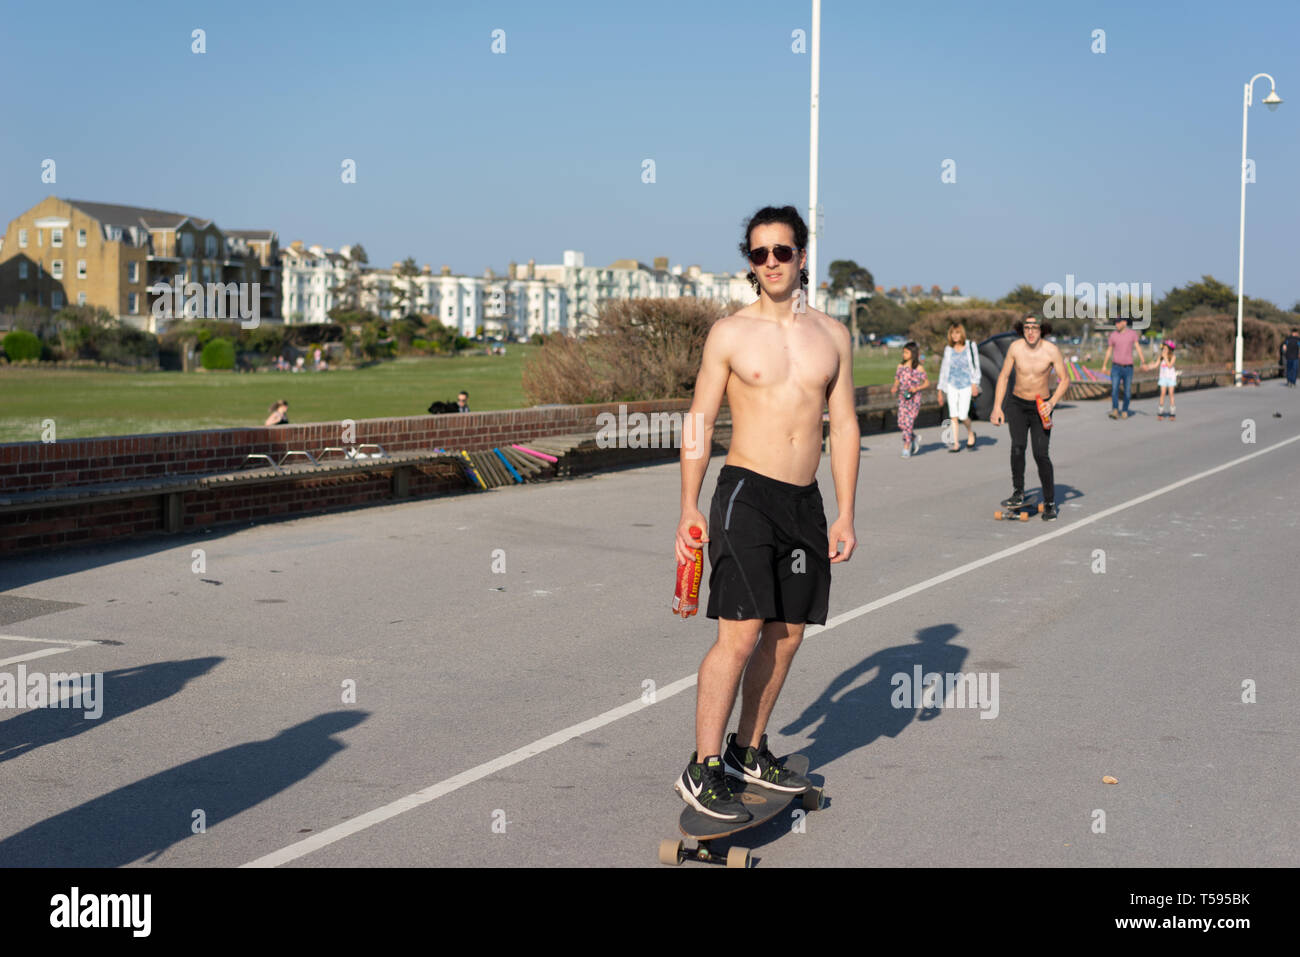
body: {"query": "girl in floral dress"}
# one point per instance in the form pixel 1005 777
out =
pixel 909 380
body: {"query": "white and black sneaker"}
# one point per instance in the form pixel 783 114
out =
pixel 704 786
pixel 759 766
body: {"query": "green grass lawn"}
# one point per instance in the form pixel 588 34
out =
pixel 90 402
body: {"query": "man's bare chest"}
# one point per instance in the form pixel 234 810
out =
pixel 805 361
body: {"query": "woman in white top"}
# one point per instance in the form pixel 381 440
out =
pixel 959 379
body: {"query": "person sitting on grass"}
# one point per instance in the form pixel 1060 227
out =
pixel 279 413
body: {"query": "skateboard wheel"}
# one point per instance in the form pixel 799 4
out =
pixel 738 857
pixel 1041 506
pixel 1023 516
pixel 997 515
pixel 670 851
pixel 811 800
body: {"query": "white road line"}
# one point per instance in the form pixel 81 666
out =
pixel 44 652
pixel 346 829
pixel 1034 542
pixel 49 641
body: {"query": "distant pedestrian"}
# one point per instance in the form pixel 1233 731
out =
pixel 909 381
pixel 1291 345
pixel 279 413
pixel 1168 377
pixel 959 382
pixel 462 401
pixel 1121 344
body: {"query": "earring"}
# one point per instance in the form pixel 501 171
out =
pixel 803 277
pixel 753 280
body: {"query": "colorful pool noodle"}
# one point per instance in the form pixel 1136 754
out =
pixel 510 468
pixel 472 470
pixel 540 455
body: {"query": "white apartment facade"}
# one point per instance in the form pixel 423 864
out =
pixel 530 299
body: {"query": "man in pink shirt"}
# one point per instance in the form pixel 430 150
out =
pixel 1121 344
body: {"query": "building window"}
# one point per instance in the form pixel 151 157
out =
pixel 81 299
pixel 22 239
pixel 81 237
pixel 40 237
pixel 132 303
pixel 22 270
pixel 56 300
pixel 22 297
pixel 81 269
pixel 187 244
pixel 210 244
pixel 132 272
pixel 56 269
pixel 56 237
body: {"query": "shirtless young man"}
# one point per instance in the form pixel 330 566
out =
pixel 779 363
pixel 1031 356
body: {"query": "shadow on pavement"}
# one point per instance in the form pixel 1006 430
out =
pixel 153 814
pixel 853 717
pixel 124 691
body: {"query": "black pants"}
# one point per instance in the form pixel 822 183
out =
pixel 1022 420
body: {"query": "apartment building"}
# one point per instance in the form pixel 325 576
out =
pixel 313 279
pixel 74 252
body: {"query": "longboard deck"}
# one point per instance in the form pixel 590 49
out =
pixel 1030 506
pixel 763 803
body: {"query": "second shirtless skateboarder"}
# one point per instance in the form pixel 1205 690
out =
pixel 1032 357
pixel 779 363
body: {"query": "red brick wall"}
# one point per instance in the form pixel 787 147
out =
pixel 31 466
pixel 38 465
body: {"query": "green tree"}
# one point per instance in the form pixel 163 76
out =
pixel 884 317
pixel 21 344
pixel 1025 298
pixel 404 275
pixel 218 354
pixel 846 274
pixel 1209 292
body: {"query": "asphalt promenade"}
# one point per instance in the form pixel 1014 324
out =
pixel 495 679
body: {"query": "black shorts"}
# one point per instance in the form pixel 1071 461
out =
pixel 767 550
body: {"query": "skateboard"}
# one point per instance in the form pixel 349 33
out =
pixel 763 803
pixel 1021 512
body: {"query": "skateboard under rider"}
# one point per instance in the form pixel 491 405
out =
pixel 762 803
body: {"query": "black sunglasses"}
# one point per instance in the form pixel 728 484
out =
pixel 759 256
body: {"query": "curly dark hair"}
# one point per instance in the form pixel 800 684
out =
pixel 1044 328
pixel 777 214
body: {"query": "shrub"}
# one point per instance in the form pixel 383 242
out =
pixel 218 354
pixel 640 349
pixel 21 344
pixel 930 332
pixel 1215 337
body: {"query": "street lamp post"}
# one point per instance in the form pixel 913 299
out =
pixel 814 229
pixel 1272 101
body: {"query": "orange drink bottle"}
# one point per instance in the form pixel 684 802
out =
pixel 1043 413
pixel 686 596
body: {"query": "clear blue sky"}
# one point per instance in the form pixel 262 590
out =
pixel 1115 167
